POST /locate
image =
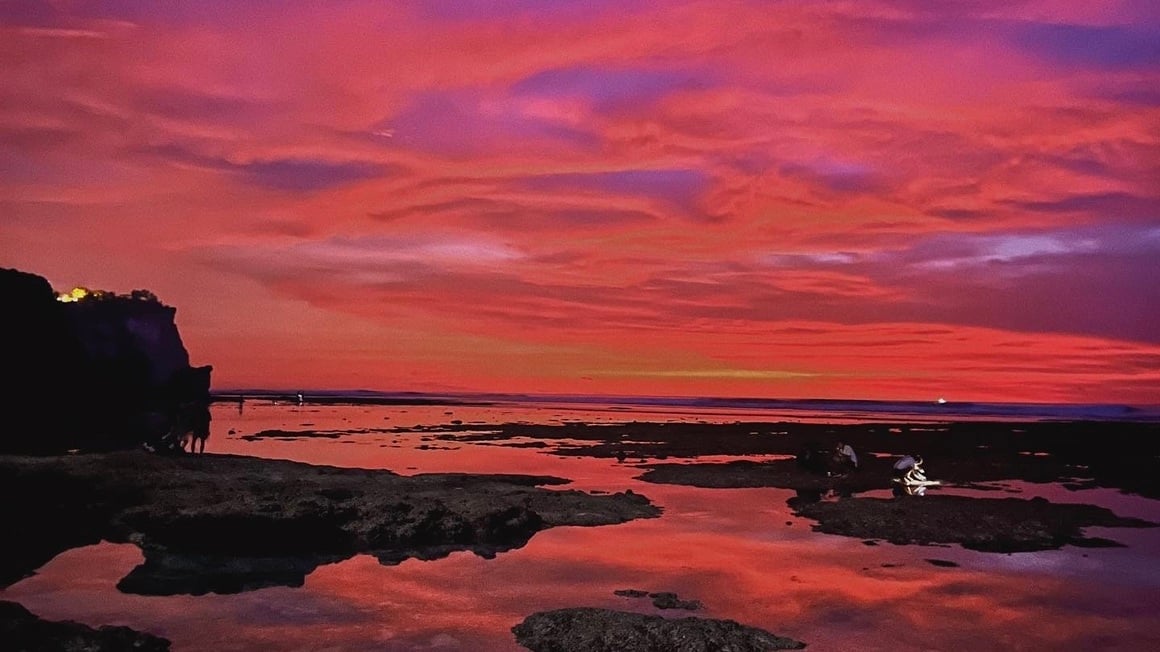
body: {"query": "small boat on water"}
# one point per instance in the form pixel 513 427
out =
pixel 941 401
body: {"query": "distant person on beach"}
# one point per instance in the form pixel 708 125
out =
pixel 908 469
pixel 199 428
pixel 299 398
pixel 845 458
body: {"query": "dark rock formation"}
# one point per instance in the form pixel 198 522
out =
pixel 223 524
pixel 104 372
pixel 631 593
pixel 21 631
pixel 988 525
pixel 991 525
pixel 661 600
pixel 669 600
pixel 604 630
pixel 786 474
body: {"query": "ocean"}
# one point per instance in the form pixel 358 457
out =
pixel 743 553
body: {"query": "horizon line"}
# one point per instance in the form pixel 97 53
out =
pixel 340 393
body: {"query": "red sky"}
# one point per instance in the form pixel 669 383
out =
pixel 749 198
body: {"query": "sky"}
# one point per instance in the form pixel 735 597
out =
pixel 882 199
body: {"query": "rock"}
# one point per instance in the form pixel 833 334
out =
pixel 661 600
pixel 223 524
pixel 667 600
pixel 605 630
pixel 21 631
pixel 631 593
pixel 984 524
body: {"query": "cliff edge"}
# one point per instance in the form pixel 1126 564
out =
pixel 91 370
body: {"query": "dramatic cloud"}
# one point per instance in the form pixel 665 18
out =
pixel 885 199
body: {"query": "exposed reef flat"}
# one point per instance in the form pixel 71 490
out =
pixel 21 631
pixel 605 630
pixel 1077 455
pixel 988 525
pixel 218 523
pixel 1121 455
pixel 985 524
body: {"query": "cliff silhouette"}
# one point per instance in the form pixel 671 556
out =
pixel 91 370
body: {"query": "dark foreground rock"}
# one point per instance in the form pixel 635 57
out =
pixel 223 524
pixel 988 525
pixel 604 630
pixel 21 631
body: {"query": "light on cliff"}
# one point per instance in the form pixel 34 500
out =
pixel 76 294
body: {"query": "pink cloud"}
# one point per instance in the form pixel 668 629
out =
pixel 649 189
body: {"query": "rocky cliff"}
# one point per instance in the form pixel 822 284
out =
pixel 95 371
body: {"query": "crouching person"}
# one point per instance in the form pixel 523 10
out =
pixel 908 470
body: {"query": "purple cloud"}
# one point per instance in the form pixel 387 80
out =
pixel 466 122
pixel 475 10
pixel 837 176
pixel 682 188
pixel 609 88
pixel 30 13
pixel 291 174
pixel 1110 47
pixel 1107 205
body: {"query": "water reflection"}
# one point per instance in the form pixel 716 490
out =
pixel 741 552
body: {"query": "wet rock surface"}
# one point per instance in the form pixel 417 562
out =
pixel 605 630
pixel 21 631
pixel 985 524
pixel 662 599
pixel 219 523
pixel 1076 455
pixel 988 525
pixel 1121 455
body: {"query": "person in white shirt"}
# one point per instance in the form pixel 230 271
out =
pixel 845 457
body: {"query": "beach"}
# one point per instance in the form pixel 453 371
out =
pixel 1038 522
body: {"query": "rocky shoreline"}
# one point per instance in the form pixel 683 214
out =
pixel 21 631
pixel 218 523
pixel 225 524
pixel 1076 455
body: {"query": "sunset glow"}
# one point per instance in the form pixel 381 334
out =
pixel 733 198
